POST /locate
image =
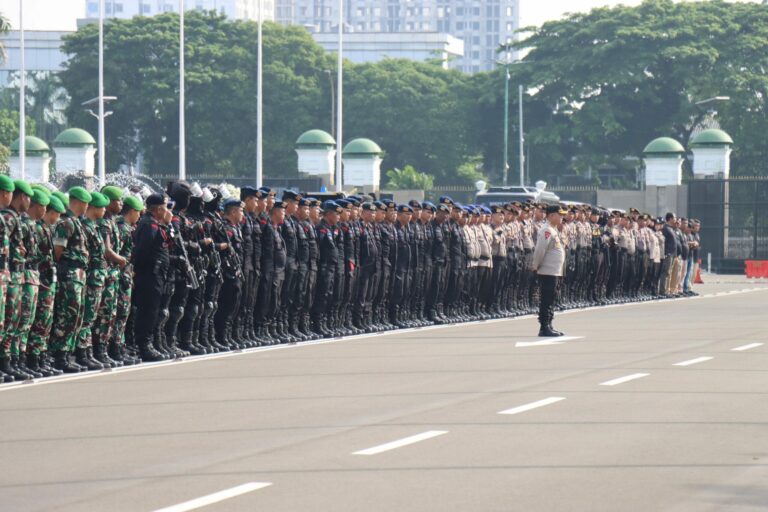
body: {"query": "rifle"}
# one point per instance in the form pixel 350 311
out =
pixel 192 283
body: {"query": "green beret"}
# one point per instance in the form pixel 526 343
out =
pixel 23 187
pixel 80 193
pixel 56 204
pixel 62 197
pixel 41 188
pixel 98 200
pixel 40 198
pixel 6 183
pixel 134 203
pixel 112 192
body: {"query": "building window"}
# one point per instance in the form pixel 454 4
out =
pixel 510 27
pixel 509 12
pixel 118 8
pixel 476 11
pixel 377 11
pixel 93 8
pixel 107 9
pixel 459 25
pixel 168 8
pixel 475 25
pixel 440 12
pixel 146 9
pixel 425 11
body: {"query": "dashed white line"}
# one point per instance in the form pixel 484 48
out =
pixel 693 361
pixel 622 380
pixel 534 405
pixel 401 442
pixel 215 497
pixel 747 347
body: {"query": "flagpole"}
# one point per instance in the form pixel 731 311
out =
pixel 22 97
pixel 102 159
pixel 182 99
pixel 339 100
pixel 259 105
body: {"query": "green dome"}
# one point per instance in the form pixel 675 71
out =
pixel 74 137
pixel 314 138
pixel 361 148
pixel 663 146
pixel 33 146
pixel 712 137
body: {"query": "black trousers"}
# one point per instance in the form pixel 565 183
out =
pixel 548 286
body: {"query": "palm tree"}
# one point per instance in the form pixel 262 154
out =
pixel 5 26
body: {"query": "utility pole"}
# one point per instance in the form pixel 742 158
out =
pixel 102 158
pixel 522 137
pixel 259 104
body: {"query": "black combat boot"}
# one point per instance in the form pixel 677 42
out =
pixel 11 369
pixel 61 362
pixel 23 366
pixel 185 343
pixel 46 366
pixel 115 353
pixel 82 357
pixel 99 353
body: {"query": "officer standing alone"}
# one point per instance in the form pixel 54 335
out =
pixel 547 262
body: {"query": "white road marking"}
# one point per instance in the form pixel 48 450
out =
pixel 693 361
pixel 215 497
pixel 747 347
pixel 401 442
pixel 546 342
pixel 622 380
pixel 533 405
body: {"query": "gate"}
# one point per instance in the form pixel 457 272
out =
pixel 734 220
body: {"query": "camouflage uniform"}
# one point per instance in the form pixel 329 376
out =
pixel 13 292
pixel 124 282
pixel 31 284
pixel 107 309
pixel 94 282
pixel 41 326
pixel 4 273
pixel 71 267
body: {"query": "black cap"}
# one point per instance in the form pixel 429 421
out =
pixel 155 200
pixel 369 207
pixel 278 204
pixel 414 204
pixel 290 195
pixel 246 192
pixel 555 209
pixel 229 203
pixel 404 208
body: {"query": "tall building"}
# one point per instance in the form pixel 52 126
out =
pixel 482 24
pixel 235 9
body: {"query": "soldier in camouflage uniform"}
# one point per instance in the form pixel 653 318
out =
pixel 132 208
pixel 14 291
pixel 72 257
pixel 41 325
pixel 94 282
pixel 107 308
pixel 29 290
pixel 6 194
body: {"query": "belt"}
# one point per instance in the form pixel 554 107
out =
pixel 16 267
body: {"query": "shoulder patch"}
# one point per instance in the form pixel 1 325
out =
pixel 547 234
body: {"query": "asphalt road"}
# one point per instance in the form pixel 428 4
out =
pixel 607 420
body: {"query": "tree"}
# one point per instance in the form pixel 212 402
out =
pixel 408 178
pixel 615 78
pixel 9 132
pixel 141 69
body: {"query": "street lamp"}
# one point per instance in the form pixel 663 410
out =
pixel 339 102
pixel 507 62
pixel 101 100
pixel 259 104
pixel 182 99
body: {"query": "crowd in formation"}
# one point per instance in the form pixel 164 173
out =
pixel 95 280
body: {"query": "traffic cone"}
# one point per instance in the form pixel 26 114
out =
pixel 697 279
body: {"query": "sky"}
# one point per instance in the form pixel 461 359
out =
pixel 61 14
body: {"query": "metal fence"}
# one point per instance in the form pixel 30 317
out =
pixel 734 217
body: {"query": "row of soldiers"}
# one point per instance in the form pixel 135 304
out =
pixel 94 280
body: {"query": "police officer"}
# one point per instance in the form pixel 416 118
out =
pixel 229 296
pixel 547 262
pixel 151 261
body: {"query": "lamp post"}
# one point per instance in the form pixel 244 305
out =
pixel 22 97
pixel 522 136
pixel 506 62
